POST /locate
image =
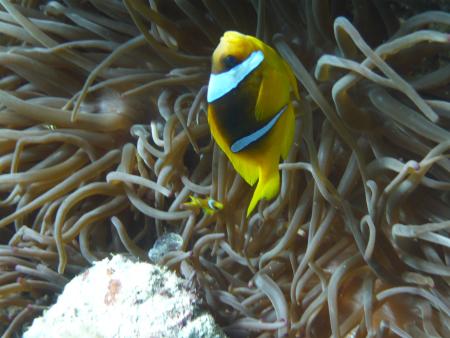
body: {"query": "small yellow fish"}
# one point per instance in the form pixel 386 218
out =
pixel 208 205
pixel 250 113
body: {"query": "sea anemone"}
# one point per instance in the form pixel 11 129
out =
pixel 104 137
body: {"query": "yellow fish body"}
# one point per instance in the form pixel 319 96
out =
pixel 250 112
pixel 208 205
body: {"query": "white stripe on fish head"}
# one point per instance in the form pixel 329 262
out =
pixel 221 84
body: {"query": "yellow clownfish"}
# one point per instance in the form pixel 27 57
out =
pixel 208 205
pixel 249 110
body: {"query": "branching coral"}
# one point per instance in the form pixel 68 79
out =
pixel 104 136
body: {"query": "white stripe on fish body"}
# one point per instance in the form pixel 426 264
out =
pixel 211 204
pixel 245 141
pixel 223 83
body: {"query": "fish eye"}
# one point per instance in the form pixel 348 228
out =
pixel 230 61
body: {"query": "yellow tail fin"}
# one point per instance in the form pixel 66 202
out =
pixel 267 187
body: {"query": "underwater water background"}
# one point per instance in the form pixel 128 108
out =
pixel 104 136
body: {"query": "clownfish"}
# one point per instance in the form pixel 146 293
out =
pixel 208 205
pixel 250 113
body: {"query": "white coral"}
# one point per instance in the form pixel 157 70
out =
pixel 121 298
